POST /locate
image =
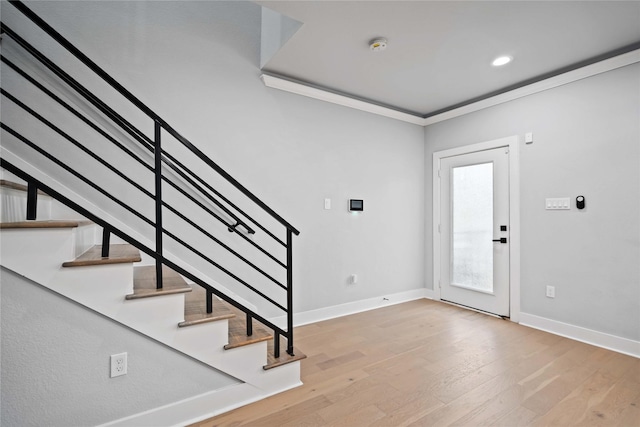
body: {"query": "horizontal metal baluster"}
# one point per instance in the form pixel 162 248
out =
pixel 223 245
pixel 80 89
pixel 75 173
pixel 75 112
pixel 219 218
pixel 66 136
pixel 221 268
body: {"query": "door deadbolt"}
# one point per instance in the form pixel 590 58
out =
pixel 501 240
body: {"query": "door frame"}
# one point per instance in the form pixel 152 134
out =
pixel 513 144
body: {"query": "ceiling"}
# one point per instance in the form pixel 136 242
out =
pixel 439 53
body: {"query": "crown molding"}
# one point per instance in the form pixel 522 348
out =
pixel 550 83
pixel 334 98
pixel 600 67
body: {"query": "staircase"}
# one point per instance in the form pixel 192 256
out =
pixel 117 220
pixel 122 288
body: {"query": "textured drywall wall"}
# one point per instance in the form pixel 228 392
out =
pixel 197 65
pixel 586 142
pixel 55 363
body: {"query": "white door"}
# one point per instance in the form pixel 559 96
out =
pixel 474 191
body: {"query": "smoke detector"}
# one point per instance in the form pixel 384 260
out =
pixel 377 45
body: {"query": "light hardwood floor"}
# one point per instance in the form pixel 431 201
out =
pixel 426 363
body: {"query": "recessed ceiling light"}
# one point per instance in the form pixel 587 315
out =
pixel 501 60
pixel 377 45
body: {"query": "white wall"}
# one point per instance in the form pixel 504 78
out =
pixel 55 363
pixel 586 142
pixel 196 64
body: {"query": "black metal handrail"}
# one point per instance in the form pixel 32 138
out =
pixel 160 157
pixel 144 108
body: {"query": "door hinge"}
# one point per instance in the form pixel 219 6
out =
pixel 438 173
pixel 438 228
pixel 439 284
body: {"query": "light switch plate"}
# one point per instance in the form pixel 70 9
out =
pixel 557 203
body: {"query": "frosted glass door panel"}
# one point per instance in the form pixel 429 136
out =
pixel 474 211
pixel 472 221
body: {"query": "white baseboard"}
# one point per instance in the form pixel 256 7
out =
pixel 578 333
pixel 197 408
pixel 326 313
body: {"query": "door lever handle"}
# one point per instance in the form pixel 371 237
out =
pixel 501 240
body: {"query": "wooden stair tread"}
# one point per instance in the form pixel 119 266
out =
pixel 195 308
pixel 273 362
pixel 118 254
pixel 18 186
pixel 238 331
pixel 144 283
pixel 238 337
pixel 44 224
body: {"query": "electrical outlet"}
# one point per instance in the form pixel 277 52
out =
pixel 118 364
pixel 551 291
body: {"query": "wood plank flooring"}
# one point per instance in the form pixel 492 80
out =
pixel 426 363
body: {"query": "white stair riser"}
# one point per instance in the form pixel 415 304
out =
pixel 157 317
pixel 13 206
pixel 101 288
pixel 85 238
pixel 274 380
pixel 37 254
pixel 201 341
pixel 59 210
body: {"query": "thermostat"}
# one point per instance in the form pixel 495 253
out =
pixel 356 205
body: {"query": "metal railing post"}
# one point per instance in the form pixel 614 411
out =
pixel 276 344
pixel 209 301
pixel 32 201
pixel 249 325
pixel 106 241
pixel 158 199
pixel 289 291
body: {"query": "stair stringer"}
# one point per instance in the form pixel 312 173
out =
pixel 156 317
pixel 102 288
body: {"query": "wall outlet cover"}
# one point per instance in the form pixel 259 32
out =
pixel 118 364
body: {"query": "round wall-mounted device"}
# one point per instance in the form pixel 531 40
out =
pixel 378 44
